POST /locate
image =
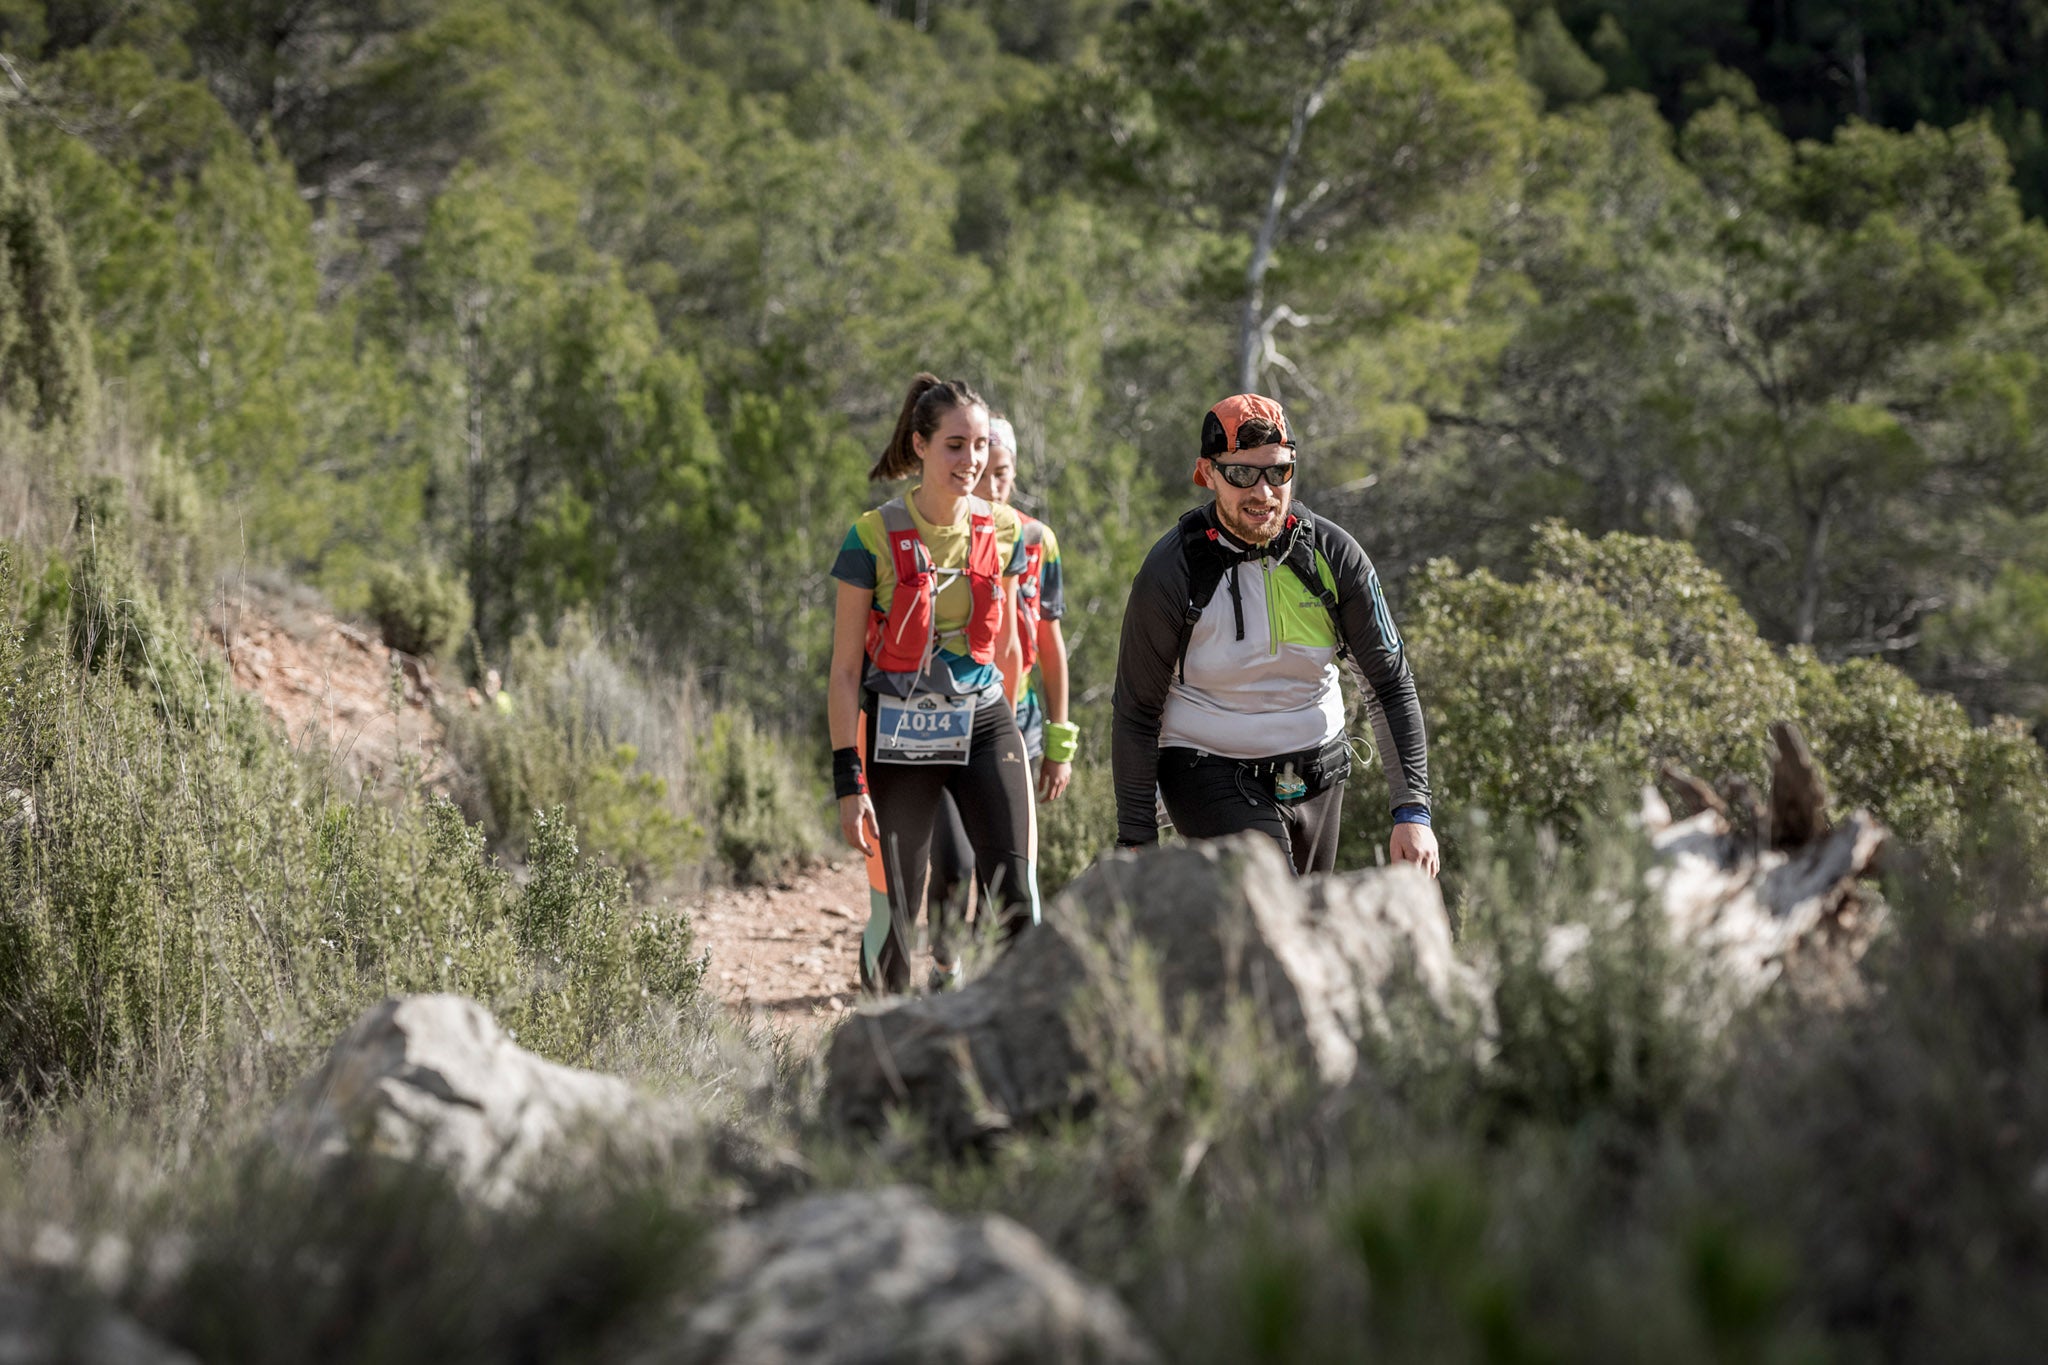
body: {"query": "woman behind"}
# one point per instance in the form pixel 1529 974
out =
pixel 915 701
pixel 1049 739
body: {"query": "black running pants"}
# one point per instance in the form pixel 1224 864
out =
pixel 992 792
pixel 1208 796
pixel 953 863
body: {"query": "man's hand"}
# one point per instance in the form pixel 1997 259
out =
pixel 1415 844
pixel 1053 779
pixel 857 823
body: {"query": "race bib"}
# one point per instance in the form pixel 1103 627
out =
pixel 923 729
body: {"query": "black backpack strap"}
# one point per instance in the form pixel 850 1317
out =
pixel 1203 559
pixel 1301 557
pixel 1205 562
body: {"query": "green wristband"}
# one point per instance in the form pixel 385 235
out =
pixel 1062 741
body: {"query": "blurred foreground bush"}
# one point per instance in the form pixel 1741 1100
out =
pixel 1613 1172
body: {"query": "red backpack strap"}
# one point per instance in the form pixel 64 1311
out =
pixel 985 580
pixel 900 639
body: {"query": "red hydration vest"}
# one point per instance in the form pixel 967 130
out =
pixel 1028 584
pixel 901 640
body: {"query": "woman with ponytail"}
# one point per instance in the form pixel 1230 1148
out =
pixel 915 701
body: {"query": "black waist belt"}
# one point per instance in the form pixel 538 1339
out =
pixel 1320 767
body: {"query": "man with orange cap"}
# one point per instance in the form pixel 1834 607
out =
pixel 1227 703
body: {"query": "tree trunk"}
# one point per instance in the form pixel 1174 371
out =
pixel 1859 72
pixel 1817 525
pixel 1251 329
pixel 479 509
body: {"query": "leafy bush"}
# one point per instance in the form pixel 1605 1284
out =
pixel 1955 791
pixel 1623 652
pixel 593 966
pixel 118 623
pixel 420 610
pixel 581 733
pixel 658 782
pixel 765 821
pixel 1615 654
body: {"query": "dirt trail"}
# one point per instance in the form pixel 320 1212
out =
pixel 788 952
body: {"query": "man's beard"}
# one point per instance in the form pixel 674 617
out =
pixel 1245 534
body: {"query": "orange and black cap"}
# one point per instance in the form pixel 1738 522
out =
pixel 1222 423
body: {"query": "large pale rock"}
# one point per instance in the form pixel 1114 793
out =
pixel 434 1079
pixel 1766 891
pixel 40 1325
pixel 1222 920
pixel 880 1276
pixel 1759 913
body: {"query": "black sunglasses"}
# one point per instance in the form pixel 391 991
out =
pixel 1245 475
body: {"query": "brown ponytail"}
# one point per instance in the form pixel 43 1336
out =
pixel 929 400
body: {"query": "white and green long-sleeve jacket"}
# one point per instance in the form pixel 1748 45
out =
pixel 1260 675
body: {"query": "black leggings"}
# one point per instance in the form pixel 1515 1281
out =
pixel 953 861
pixel 1209 797
pixel 992 794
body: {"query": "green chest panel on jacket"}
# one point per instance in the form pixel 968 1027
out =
pixel 1297 617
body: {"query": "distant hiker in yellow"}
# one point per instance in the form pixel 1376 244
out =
pixel 494 688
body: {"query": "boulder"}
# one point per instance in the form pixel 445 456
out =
pixel 1321 960
pixel 879 1276
pixel 40 1325
pixel 434 1079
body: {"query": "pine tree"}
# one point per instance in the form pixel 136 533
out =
pixel 45 357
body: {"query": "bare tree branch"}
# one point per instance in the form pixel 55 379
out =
pixel 24 95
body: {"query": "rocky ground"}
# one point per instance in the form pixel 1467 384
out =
pixel 787 951
pixel 332 684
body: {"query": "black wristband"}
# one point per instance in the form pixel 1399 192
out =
pixel 847 777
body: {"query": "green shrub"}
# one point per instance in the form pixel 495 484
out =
pixel 118 622
pixel 1625 652
pixel 594 965
pixel 176 886
pixel 420 610
pixel 1953 790
pixel 1615 654
pixel 764 820
pixel 582 733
